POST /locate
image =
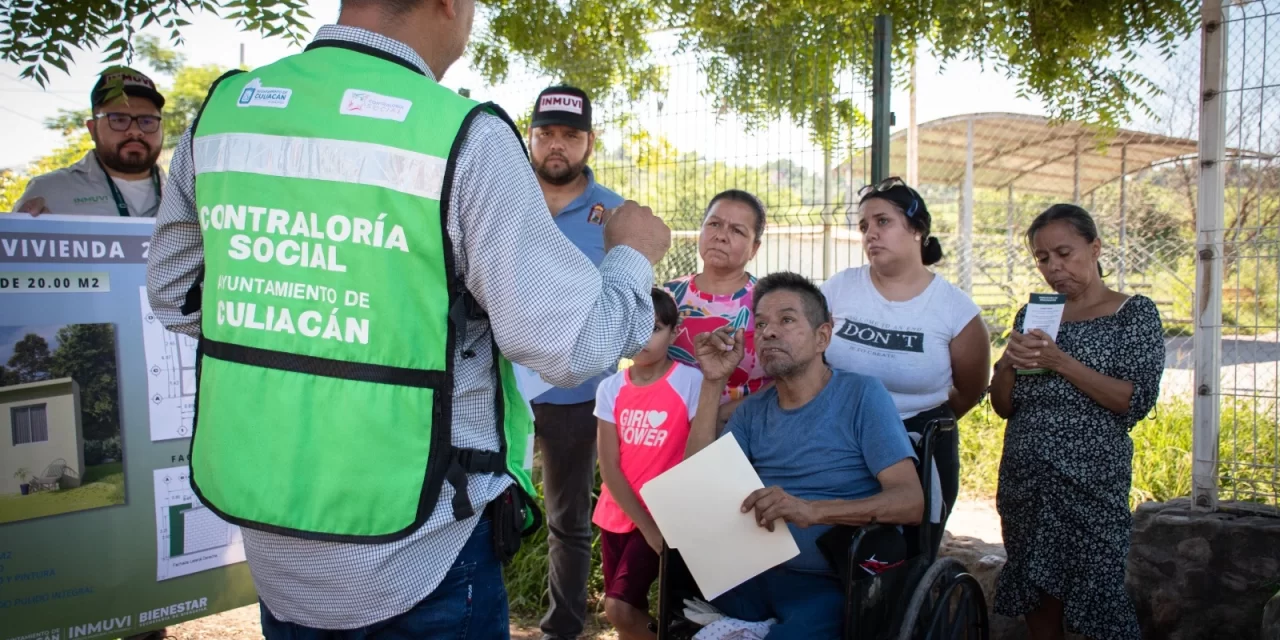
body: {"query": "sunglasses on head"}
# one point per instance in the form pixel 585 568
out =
pixel 122 122
pixel 887 184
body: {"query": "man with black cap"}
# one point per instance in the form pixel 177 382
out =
pixel 120 176
pixel 560 142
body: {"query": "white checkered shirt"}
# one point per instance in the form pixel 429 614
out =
pixel 550 308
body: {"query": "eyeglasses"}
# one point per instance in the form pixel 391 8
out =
pixel 122 122
pixel 887 184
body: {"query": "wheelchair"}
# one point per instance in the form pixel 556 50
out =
pixel 921 598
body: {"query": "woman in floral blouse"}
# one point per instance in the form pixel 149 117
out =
pixel 721 294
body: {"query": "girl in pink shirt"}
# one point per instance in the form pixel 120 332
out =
pixel 643 416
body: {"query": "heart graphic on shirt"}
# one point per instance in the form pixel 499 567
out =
pixel 656 418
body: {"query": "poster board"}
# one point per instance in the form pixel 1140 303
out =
pixel 108 540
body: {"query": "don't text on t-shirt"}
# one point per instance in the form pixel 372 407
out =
pixel 906 345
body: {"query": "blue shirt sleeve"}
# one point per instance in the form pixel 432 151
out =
pixel 739 425
pixel 882 437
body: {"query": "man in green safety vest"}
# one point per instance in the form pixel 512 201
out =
pixel 362 254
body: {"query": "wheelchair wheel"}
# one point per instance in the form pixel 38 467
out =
pixel 947 604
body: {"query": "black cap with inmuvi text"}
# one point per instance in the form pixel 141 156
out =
pixel 564 105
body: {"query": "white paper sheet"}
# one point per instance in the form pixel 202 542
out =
pixel 1044 312
pixel 697 506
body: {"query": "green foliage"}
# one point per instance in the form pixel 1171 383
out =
pixel 69 121
pixel 598 45
pixel 86 353
pixel 30 359
pixel 161 58
pixel 184 98
pixel 101 487
pixel 98 451
pixel 764 58
pixel 1161 451
pixel 677 185
pixel 12 184
pixel 42 33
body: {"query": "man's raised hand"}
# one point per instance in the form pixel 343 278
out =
pixel 635 226
pixel 719 352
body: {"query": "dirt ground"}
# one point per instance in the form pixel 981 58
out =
pixel 973 518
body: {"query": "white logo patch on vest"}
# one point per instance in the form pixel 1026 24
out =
pixel 374 105
pixel 256 95
pixel 560 102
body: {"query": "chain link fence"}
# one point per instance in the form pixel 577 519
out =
pixel 786 123
pixel 1248 241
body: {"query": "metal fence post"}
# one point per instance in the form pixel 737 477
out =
pixel 881 87
pixel 828 212
pixel 966 215
pixel 1124 204
pixel 1207 340
pixel 1009 246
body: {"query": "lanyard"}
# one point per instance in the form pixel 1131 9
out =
pixel 121 206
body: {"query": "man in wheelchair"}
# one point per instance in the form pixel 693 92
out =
pixel 828 445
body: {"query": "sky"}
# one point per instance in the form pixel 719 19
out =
pixel 961 88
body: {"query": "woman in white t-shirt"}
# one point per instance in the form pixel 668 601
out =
pixel 896 320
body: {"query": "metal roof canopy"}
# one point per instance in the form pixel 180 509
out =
pixel 1032 154
pixel 1018 152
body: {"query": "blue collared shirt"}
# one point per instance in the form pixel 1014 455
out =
pixel 580 222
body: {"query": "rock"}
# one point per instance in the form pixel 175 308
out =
pixel 984 561
pixel 1195 574
pixel 1271 619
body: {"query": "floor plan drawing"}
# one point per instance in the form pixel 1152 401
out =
pixel 171 376
pixel 189 537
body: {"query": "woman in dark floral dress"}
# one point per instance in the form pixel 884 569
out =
pixel 1066 471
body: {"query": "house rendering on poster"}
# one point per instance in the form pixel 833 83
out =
pixel 41 432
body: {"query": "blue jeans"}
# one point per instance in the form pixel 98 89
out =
pixel 469 604
pixel 807 606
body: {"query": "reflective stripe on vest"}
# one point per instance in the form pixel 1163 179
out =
pixel 375 165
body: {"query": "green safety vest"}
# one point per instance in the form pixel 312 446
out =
pixel 331 307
